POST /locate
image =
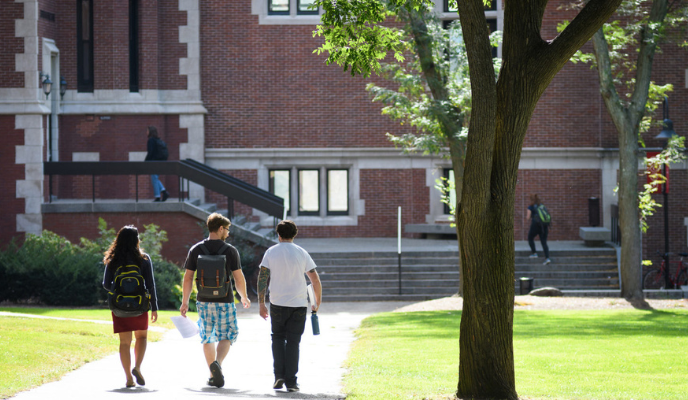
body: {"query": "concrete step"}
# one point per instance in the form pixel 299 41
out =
pixel 390 283
pixel 373 276
pixel 370 291
pixel 382 297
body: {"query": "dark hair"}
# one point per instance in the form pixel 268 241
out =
pixel 534 199
pixel 216 221
pixel 287 229
pixel 153 132
pixel 125 248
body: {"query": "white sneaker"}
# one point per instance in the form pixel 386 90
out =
pixel 534 255
pixel 547 261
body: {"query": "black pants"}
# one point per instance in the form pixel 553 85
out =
pixel 288 324
pixel 538 230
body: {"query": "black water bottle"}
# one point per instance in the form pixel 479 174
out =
pixel 315 324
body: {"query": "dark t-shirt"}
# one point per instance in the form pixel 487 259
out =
pixel 213 246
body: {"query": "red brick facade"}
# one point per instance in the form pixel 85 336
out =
pixel 11 172
pixel 263 88
pixel 182 230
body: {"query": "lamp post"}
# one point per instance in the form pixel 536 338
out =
pixel 666 134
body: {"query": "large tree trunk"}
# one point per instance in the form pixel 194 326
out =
pixel 500 116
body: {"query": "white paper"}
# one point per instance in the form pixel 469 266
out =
pixel 186 326
pixel 311 295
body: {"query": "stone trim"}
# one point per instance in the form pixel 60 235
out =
pixel 31 187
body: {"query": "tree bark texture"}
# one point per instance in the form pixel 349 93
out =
pixel 499 119
pixel 627 119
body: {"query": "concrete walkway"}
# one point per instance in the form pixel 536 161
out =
pixel 175 368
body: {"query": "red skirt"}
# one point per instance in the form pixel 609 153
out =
pixel 130 324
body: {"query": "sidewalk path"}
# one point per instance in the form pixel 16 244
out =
pixel 175 368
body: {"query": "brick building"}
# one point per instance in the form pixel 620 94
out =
pixel 236 85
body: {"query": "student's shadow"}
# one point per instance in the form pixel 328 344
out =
pixel 276 394
pixel 133 390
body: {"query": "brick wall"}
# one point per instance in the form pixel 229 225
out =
pixel 264 87
pixel 114 137
pixel 10 45
pixel 182 229
pixel 564 192
pixel 11 172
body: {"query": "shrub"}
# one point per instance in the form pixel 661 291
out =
pixel 50 269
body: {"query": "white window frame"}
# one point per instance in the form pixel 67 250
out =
pixel 260 8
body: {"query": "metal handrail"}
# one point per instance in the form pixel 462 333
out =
pixel 191 170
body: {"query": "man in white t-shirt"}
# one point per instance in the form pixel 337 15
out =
pixel 284 265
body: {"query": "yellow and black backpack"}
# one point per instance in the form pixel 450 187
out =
pixel 129 297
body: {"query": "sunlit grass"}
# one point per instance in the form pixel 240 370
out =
pixel 629 354
pixel 36 351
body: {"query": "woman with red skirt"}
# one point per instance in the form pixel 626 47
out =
pixel 125 250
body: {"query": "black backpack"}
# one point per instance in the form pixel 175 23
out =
pixel 542 215
pixel 129 297
pixel 212 281
pixel 163 153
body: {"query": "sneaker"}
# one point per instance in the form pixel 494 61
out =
pixel 293 388
pixel 547 261
pixel 164 194
pixel 218 379
pixel 279 382
pixel 157 199
pixel 534 255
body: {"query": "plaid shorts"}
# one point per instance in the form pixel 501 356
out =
pixel 217 321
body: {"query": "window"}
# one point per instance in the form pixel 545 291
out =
pixel 133 45
pixel 337 192
pixel 84 29
pixel 280 185
pixel 304 7
pixel 278 7
pixel 449 176
pixel 309 192
pixel 450 6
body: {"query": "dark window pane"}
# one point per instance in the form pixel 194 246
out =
pixel 133 45
pixel 84 45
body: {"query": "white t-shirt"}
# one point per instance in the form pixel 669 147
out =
pixel 287 263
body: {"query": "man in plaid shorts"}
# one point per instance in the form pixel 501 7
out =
pixel 217 321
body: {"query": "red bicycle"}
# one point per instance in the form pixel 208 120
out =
pixel 654 279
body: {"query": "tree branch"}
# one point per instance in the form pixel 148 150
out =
pixel 604 70
pixel 587 22
pixel 646 53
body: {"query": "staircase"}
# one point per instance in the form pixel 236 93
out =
pixel 374 276
pixel 592 273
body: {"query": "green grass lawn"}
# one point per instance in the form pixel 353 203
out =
pixel 37 351
pixel 629 354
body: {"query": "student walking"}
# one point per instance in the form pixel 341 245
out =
pixel 124 252
pixel 537 228
pixel 284 266
pixel 157 151
pixel 216 311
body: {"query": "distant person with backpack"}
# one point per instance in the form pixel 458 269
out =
pixel 157 151
pixel 215 263
pixel 131 291
pixel 539 226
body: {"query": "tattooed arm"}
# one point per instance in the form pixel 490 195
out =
pixel 263 277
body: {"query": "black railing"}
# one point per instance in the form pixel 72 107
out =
pixel 616 229
pixel 189 170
